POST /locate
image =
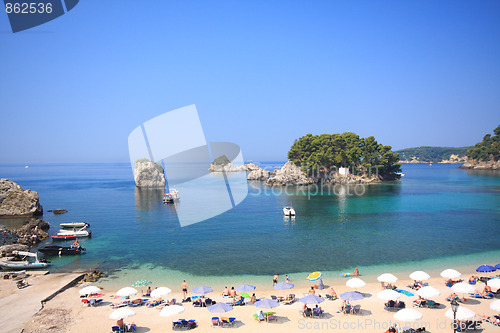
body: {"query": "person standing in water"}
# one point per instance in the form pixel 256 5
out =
pixel 184 289
pixel 275 279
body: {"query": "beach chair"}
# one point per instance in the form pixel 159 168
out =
pixel 95 302
pixel 119 305
pixel 330 297
pixel 259 316
pixel 271 316
pixel 289 299
pixel 116 329
pixel 215 322
pixel 85 302
pixel 431 304
pixel 130 328
pixel 356 309
pixel 225 322
pixel 231 321
pixel 274 298
pixel 400 305
pixel 317 313
pixel 138 302
pixel 241 301
pixel 177 324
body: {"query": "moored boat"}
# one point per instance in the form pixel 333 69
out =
pixel 171 196
pixel 74 225
pixel 82 232
pixel 61 250
pixel 24 262
pixel 289 211
pixel 63 237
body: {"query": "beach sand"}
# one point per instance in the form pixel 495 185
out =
pixel 65 313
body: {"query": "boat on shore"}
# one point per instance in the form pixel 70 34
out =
pixel 74 225
pixel 22 261
pixel 61 250
pixel 171 196
pixel 289 211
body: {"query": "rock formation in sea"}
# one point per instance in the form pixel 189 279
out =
pixel 258 174
pixel 481 165
pixel 148 174
pixel 58 211
pixel 15 201
pixel 223 164
pixel 291 175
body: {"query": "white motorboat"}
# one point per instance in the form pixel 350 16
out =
pixel 82 232
pixel 25 261
pixel 74 225
pixel 400 173
pixel 289 211
pixel 171 196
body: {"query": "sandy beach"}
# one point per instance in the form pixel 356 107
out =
pixel 65 313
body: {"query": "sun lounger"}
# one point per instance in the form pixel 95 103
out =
pixel 116 329
pixel 270 316
pixel 121 304
pixel 226 322
pixel 130 328
pixel 154 302
pixel 138 302
pixel 317 313
pixel 241 301
pixel 95 302
pixel 85 302
pixel 330 297
pixel 487 296
pixel 356 309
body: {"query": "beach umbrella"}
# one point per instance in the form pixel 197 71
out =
pixel 388 278
pixel 89 290
pixel 494 283
pixel 351 296
pixel 171 310
pixel 450 274
pixel 202 290
pixel 244 287
pixel 355 283
pixel 122 313
pixel 314 276
pixel 463 288
pixel 463 313
pixel 388 294
pixel 311 299
pixel 485 269
pixel 160 292
pixel 408 315
pixel 127 291
pixel 419 276
pixel 246 295
pixel 266 303
pixel 497 266
pixel 495 305
pixel 220 308
pixel 428 292
pixel 141 283
pixel 283 285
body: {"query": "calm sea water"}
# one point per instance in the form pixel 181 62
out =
pixel 433 212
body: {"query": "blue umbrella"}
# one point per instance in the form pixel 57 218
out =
pixel 202 290
pixel 220 308
pixel 283 285
pixel 497 266
pixel 351 296
pixel 266 303
pixel 485 269
pixel 311 299
pixel 244 287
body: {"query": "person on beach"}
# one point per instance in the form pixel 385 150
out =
pixel 253 299
pixel 472 280
pixel 287 279
pixel 184 287
pixel 120 323
pixel 312 291
pixel 148 291
pixel 486 291
pixel 333 293
pixel 275 279
pixel 356 272
pixel 452 297
pixel 233 292
pixel 225 292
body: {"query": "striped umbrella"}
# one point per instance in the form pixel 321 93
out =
pixel 141 283
pixel 314 276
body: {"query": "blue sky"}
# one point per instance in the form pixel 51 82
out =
pixel 261 73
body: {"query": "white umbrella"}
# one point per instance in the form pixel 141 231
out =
pixel 428 292
pixel 122 313
pixel 388 294
pixel 419 276
pixel 159 292
pixel 387 277
pixel 89 290
pixel 495 305
pixel 408 315
pixel 127 291
pixel 494 283
pixel 463 313
pixel 355 283
pixel 450 274
pixel 463 288
pixel 171 310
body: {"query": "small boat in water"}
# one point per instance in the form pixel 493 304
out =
pixel 74 225
pixel 64 237
pixel 289 211
pixel 82 232
pixel 61 250
pixel 22 261
pixel 171 196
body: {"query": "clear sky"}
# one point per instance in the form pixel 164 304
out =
pixel 261 73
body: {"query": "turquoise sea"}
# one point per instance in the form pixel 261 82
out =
pixel 434 212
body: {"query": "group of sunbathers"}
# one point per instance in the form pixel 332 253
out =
pixel 308 312
pixel 416 285
pixel 395 305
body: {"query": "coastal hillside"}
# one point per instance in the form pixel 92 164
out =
pixel 485 154
pixel 321 156
pixel 428 154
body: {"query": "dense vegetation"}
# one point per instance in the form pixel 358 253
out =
pixel 488 149
pixel 431 154
pixel 331 151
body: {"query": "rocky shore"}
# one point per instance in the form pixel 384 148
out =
pixel 481 165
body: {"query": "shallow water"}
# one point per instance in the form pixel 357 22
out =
pixel 433 212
